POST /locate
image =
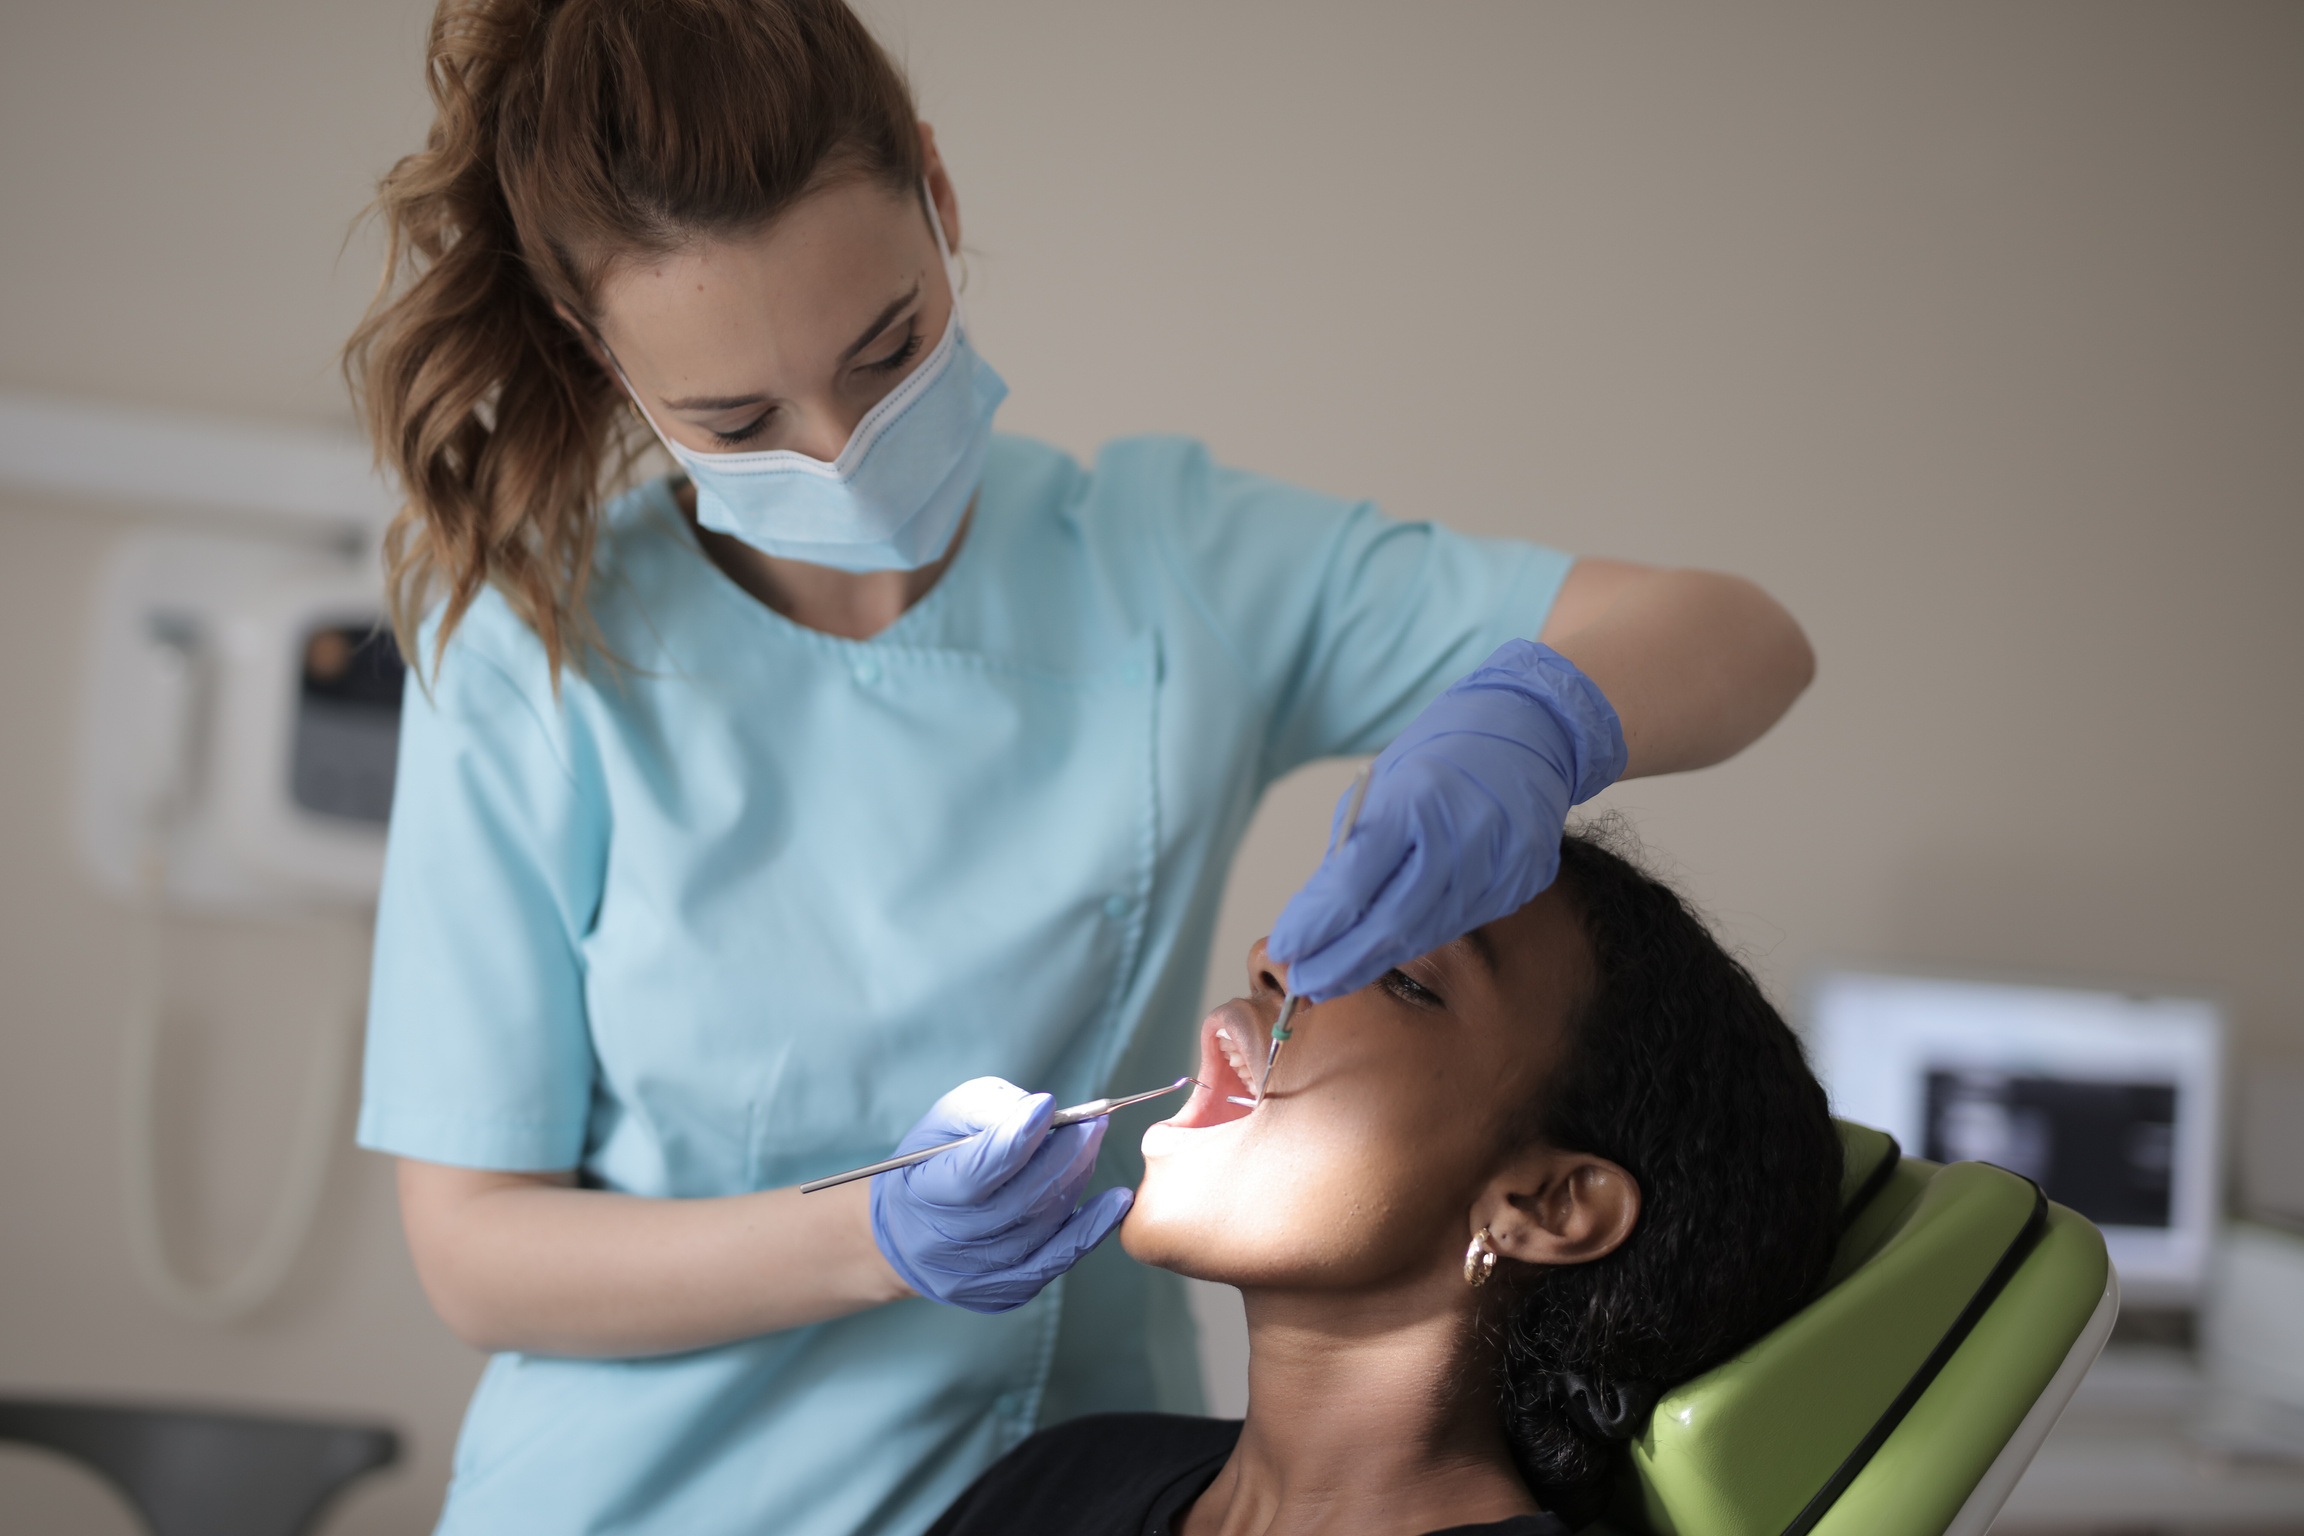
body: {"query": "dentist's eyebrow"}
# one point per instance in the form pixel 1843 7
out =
pixel 881 322
pixel 692 402
pixel 714 402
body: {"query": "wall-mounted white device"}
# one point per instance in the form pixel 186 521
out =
pixel 240 721
pixel 237 747
pixel 242 714
pixel 2110 1101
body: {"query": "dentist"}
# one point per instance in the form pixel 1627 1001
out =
pixel 743 814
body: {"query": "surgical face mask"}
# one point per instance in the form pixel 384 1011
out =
pixel 894 498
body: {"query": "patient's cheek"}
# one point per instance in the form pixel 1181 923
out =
pixel 1354 1173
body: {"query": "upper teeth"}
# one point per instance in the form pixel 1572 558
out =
pixel 1233 1052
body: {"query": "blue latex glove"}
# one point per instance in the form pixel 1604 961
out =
pixel 1462 821
pixel 986 1225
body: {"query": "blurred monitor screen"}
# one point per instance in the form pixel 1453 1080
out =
pixel 2110 1101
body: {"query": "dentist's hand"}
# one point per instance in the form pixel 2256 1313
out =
pixel 986 1225
pixel 1462 821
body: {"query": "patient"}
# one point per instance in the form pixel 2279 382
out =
pixel 1591 1091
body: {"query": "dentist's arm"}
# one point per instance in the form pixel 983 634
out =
pixel 1697 664
pixel 527 1261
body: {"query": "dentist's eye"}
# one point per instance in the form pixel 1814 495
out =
pixel 901 355
pixel 1401 986
pixel 744 434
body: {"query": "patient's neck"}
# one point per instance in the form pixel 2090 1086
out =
pixel 1366 1413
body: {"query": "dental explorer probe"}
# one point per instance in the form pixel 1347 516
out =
pixel 1094 1109
pixel 1289 1003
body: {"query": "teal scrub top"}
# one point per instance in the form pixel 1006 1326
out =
pixel 732 910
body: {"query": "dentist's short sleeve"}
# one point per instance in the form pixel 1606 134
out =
pixel 478 1053
pixel 1346 620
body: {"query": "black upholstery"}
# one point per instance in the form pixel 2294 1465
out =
pixel 206 1474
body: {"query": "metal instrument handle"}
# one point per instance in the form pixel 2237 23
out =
pixel 1094 1109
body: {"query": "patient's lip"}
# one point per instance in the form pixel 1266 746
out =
pixel 1236 1031
pixel 1232 1043
pixel 1241 1020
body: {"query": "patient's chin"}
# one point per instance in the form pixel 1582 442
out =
pixel 1170 1227
pixel 1155 1233
pixel 1148 1242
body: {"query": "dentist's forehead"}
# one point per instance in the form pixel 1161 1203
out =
pixel 696 321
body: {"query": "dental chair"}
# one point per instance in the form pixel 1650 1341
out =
pixel 189 1473
pixel 1961 1311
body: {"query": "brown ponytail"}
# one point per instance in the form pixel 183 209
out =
pixel 570 134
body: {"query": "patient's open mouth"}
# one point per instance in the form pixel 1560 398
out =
pixel 1231 1049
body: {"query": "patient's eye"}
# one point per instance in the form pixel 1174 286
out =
pixel 1404 987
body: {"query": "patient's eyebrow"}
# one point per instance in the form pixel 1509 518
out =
pixel 1483 947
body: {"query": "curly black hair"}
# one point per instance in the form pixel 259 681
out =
pixel 1678 1069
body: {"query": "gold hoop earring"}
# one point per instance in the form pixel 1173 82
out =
pixel 1479 1260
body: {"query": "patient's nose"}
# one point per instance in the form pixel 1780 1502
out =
pixel 1267 977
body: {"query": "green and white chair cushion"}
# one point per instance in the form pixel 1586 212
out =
pixel 1962 1309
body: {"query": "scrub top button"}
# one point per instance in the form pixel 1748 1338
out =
pixel 867 670
pixel 1116 907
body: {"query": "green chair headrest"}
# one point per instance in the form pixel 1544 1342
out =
pixel 1795 1433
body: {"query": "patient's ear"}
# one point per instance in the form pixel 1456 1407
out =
pixel 1546 1206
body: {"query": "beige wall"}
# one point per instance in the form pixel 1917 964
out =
pixel 1973 331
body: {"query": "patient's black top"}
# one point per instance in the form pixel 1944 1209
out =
pixel 1125 1474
